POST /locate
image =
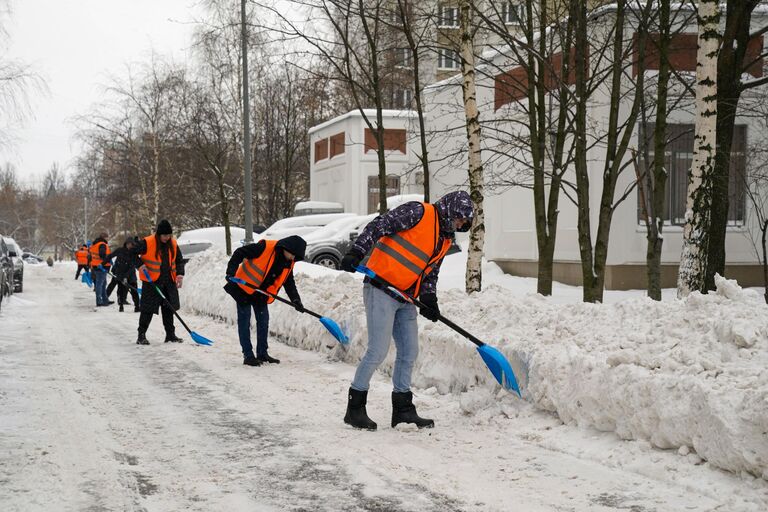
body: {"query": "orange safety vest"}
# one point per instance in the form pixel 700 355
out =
pixel 254 270
pixel 405 258
pixel 95 259
pixel 81 255
pixel 153 265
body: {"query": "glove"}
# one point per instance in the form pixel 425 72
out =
pixel 298 305
pixel 429 308
pixel 350 261
pixel 179 281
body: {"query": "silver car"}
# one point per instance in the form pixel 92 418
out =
pixel 327 245
pixel 15 252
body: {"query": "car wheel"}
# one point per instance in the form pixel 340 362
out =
pixel 327 260
pixel 19 287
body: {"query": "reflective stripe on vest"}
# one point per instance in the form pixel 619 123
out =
pixel 254 270
pixel 153 265
pixel 95 258
pixel 405 258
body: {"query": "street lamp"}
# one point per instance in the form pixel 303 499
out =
pixel 246 133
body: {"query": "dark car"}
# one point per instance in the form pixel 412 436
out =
pixel 6 271
pixel 15 252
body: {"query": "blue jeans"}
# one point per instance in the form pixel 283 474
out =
pixel 261 312
pixel 100 286
pixel 387 318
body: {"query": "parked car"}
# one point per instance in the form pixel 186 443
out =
pixel 302 225
pixel 6 270
pixel 15 252
pixel 317 207
pixel 32 259
pixel 327 245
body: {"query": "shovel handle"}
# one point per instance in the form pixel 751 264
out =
pixel 413 300
pixel 237 280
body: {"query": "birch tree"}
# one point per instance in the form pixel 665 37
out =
pixel 696 233
pixel 474 275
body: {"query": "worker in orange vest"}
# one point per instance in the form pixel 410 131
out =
pixel 162 259
pixel 266 265
pixel 81 257
pixel 407 246
pixel 98 261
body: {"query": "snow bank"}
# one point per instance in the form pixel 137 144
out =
pixel 690 375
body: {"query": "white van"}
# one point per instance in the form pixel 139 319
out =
pixel 317 207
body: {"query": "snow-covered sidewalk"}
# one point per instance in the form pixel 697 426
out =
pixel 92 421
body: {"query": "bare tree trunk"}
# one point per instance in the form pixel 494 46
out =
pixel 413 46
pixel 474 275
pixel 693 260
pixel 764 229
pixel 730 67
pixel 658 183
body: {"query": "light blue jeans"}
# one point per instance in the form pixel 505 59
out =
pixel 387 319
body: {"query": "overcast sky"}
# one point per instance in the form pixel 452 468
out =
pixel 75 45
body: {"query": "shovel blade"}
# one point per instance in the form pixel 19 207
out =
pixel 335 330
pixel 200 340
pixel 500 367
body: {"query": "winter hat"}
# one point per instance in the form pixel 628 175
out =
pixel 164 228
pixel 452 206
pixel 293 244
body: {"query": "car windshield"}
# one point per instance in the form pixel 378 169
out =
pixel 334 229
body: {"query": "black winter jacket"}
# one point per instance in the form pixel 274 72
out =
pixel 292 244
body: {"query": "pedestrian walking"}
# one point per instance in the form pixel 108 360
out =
pixel 266 265
pixel 407 246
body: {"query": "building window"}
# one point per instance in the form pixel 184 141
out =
pixel 447 16
pixel 394 140
pixel 512 13
pixel 393 189
pixel 337 144
pixel 678 157
pixel 448 59
pixel 403 58
pixel 402 98
pixel 321 150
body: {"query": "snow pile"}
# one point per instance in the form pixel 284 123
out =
pixel 690 375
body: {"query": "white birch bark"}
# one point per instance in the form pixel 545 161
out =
pixel 474 276
pixel 693 259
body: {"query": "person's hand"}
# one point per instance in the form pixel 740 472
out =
pixel 350 261
pixel 179 281
pixel 298 305
pixel 429 308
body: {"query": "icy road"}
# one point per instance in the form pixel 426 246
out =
pixel 91 421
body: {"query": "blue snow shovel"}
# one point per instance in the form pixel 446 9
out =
pixel 201 340
pixel 329 324
pixel 86 278
pixel 493 358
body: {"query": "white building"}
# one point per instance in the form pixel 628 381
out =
pixel 344 162
pixel 510 227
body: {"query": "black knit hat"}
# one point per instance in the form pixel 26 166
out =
pixel 164 228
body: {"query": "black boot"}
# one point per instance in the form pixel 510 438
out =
pixel 268 359
pixel 356 414
pixel 142 339
pixel 251 361
pixel 122 308
pixel 403 411
pixel 173 338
